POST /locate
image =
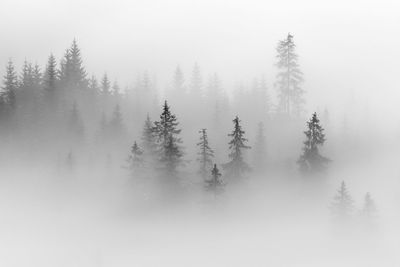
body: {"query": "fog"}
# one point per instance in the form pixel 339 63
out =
pixel 199 133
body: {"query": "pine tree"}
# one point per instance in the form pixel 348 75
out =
pixel 75 124
pixel 50 81
pixel 10 85
pixel 215 183
pixel 135 159
pixel 116 125
pixel 116 90
pixel 260 148
pixel 65 68
pixel 289 79
pixel 25 87
pixel 369 210
pixel 103 133
pixel 78 73
pixel 196 83
pixel 168 140
pixel 311 161
pixel 342 206
pixel 105 86
pixel 93 85
pixel 178 82
pixel 206 154
pixel 149 140
pixel 236 167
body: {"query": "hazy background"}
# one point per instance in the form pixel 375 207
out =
pixel 348 49
pixel 97 214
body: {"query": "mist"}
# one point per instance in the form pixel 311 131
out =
pixel 199 133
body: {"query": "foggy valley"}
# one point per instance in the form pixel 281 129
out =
pixel 188 133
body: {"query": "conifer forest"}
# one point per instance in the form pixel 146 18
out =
pixel 199 133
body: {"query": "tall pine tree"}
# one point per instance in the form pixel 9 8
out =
pixel 311 161
pixel 50 82
pixel 148 140
pixel 236 167
pixel 260 153
pixel 10 85
pixel 289 79
pixel 342 205
pixel 135 158
pixel 206 154
pixel 168 140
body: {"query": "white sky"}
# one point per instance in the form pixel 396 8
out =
pixel 346 47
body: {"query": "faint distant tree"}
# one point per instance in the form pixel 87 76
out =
pixel 265 97
pixel 342 205
pixel 37 83
pixel 10 86
pixel 105 86
pixel 136 157
pixel 116 125
pixel 75 124
pixel 215 183
pixel 116 90
pixel 260 153
pixel 70 161
pixel 289 79
pixel 178 83
pixel 73 76
pixel 25 92
pixel 168 141
pixel 93 84
pixel 310 160
pixel 50 82
pixel 148 140
pixel 206 154
pixel 196 82
pixel 369 211
pixel 65 69
pixel 236 167
pixel 103 130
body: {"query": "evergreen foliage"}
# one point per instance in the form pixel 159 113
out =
pixel 236 167
pixel 168 141
pixel 342 205
pixel 311 161
pixel 206 154
pixel 289 79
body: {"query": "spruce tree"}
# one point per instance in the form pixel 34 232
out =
pixel 116 124
pixel 168 140
pixel 25 90
pixel 342 205
pixel 103 133
pixel 369 209
pixel 178 82
pixel 311 161
pixel 215 183
pixel 260 148
pixel 196 83
pixel 136 157
pixel 10 85
pixel 93 85
pixel 206 154
pixel 148 140
pixel 50 81
pixel 116 91
pixel 105 86
pixel 65 69
pixel 75 124
pixel 289 79
pixel 78 73
pixel 236 167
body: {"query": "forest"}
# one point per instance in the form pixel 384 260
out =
pixel 97 157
